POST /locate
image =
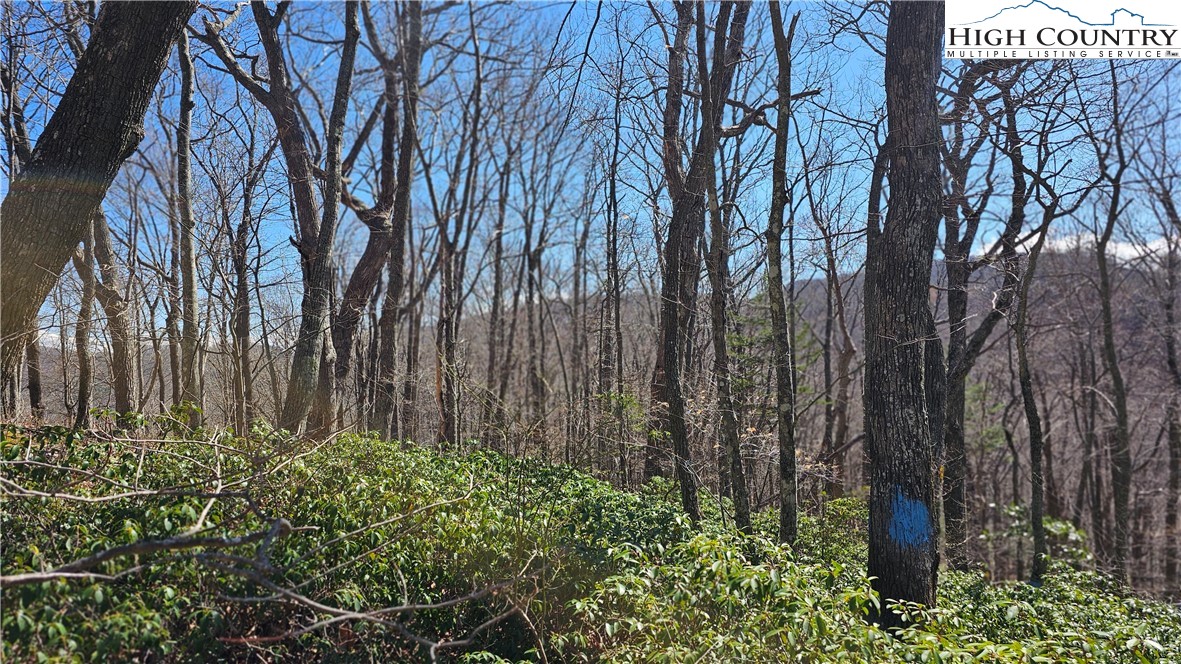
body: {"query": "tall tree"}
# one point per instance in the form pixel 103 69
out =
pixel 1162 181
pixel 97 124
pixel 16 139
pixel 114 294
pixel 316 228
pixel 1033 418
pixel 718 266
pixel 782 351
pixel 962 218
pixel 961 223
pixel 387 219
pixel 899 326
pixel 1113 165
pixel 687 188
pixel 190 390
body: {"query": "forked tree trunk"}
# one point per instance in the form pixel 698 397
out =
pixel 124 346
pixel 682 264
pixel 318 272
pixel 315 228
pixel 964 349
pixel 388 218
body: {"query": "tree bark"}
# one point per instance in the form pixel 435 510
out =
pixel 190 379
pixel 785 390
pixel 455 223
pixel 110 292
pixel 387 219
pixel 97 124
pixel 318 272
pixel 686 222
pixel 244 406
pixel 1033 419
pixel 903 540
pixel 964 349
pixel 718 264
pixel 669 321
pixel 315 228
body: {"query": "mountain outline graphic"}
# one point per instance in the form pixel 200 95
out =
pixel 1113 14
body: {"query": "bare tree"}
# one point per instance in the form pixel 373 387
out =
pixel 782 341
pixel 190 380
pixel 1113 164
pixel 686 187
pixel 388 218
pixel 899 326
pixel 718 266
pixel 97 124
pixel 316 228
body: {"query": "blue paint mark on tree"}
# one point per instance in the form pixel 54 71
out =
pixel 910 521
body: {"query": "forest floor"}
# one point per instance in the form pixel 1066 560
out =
pixel 173 545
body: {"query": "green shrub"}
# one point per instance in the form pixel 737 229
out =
pixel 706 600
pixel 377 524
pixel 599 574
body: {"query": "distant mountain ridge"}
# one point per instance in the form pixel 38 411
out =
pixel 1067 12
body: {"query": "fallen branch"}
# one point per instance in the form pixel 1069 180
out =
pixel 78 568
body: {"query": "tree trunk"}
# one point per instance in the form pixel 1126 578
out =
pixel 718 265
pixel 387 219
pixel 903 542
pixel 97 124
pixel 244 407
pixel 319 235
pixel 959 238
pixel 446 370
pixel 1032 418
pixel 1093 456
pixel 244 379
pixel 322 415
pixel 837 415
pixel 611 387
pixel 110 292
pixel 84 264
pixel 190 379
pixel 782 353
pixel 33 375
pixel 315 228
pixel 1172 412
pixel 963 349
pixel 494 433
pixel 383 419
pixel 687 220
pixel 1120 443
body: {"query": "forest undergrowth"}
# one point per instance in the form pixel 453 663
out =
pixel 148 541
